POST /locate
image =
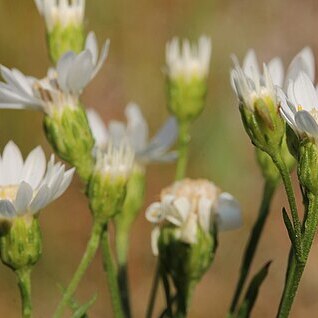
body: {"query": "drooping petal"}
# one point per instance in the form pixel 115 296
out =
pixel 34 167
pixel 155 234
pixel 228 212
pixel 155 213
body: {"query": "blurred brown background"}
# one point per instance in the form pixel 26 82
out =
pixel 220 149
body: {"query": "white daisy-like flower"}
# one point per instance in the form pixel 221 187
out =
pixel 300 108
pixel 136 133
pixel 60 88
pixel 188 60
pixel 61 12
pixel 28 186
pixel 250 84
pixel 304 61
pixel 115 161
pixel 189 204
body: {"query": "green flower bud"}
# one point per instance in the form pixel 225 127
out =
pixel 308 166
pixel 264 124
pixel 63 39
pixel 186 98
pixel 185 263
pixel 70 136
pixel 21 246
pixel 108 184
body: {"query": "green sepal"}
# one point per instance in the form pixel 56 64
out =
pixel 21 246
pixel 186 98
pixel 252 292
pixel 64 39
pixel 106 196
pixel 70 136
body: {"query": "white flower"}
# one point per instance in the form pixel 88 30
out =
pixel 189 204
pixel 115 161
pixel 28 186
pixel 60 88
pixel 250 84
pixel 136 133
pixel 61 12
pixel 188 61
pixel 300 108
pixel 304 61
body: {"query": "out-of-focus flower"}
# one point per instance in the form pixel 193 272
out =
pixel 26 187
pixel 61 87
pixel 192 204
pixel 64 24
pixel 108 183
pixel 187 69
pixel 135 132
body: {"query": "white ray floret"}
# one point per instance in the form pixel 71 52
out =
pixel 61 12
pixel 300 107
pixel 190 204
pixel 28 186
pixel 60 88
pixel 136 133
pixel 188 60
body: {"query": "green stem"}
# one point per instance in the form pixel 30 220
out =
pixel 166 287
pixel 24 282
pixel 268 192
pixel 284 172
pixel 296 267
pixel 111 271
pixel 153 293
pixel 88 256
pixel 183 148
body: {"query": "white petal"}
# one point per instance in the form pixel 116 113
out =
pixel 41 199
pixel 155 234
pixel 67 179
pixel 7 209
pixel 23 198
pixel 155 213
pixel 183 206
pixel 91 44
pixel 190 229
pixel 102 58
pixel 12 164
pixel 34 167
pixel 63 66
pixel 250 64
pixel 276 70
pixel 305 122
pixel 205 206
pixel 98 128
pixel 228 213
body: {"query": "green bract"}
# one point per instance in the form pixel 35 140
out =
pixel 21 246
pixel 63 39
pixel 70 136
pixel 186 98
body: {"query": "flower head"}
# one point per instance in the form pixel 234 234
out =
pixel 188 61
pixel 192 204
pixel 60 88
pixel 28 186
pixel 136 133
pixel 61 12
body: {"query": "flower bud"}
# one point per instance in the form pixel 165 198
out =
pixel 21 246
pixel 70 136
pixel 108 184
pixel 187 72
pixel 308 166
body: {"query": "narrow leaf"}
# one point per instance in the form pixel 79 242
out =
pixel 82 310
pixel 289 227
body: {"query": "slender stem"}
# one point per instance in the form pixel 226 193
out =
pixel 268 192
pixel 88 256
pixel 111 271
pixel 281 166
pixel 24 282
pixel 153 293
pixel 183 145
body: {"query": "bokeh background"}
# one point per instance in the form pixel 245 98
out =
pixel 220 149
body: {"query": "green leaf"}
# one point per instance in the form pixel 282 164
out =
pixel 289 227
pixel 82 310
pixel 252 292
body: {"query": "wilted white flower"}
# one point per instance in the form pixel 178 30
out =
pixel 115 161
pixel 189 204
pixel 60 88
pixel 28 186
pixel 188 60
pixel 136 133
pixel 300 108
pixel 61 12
